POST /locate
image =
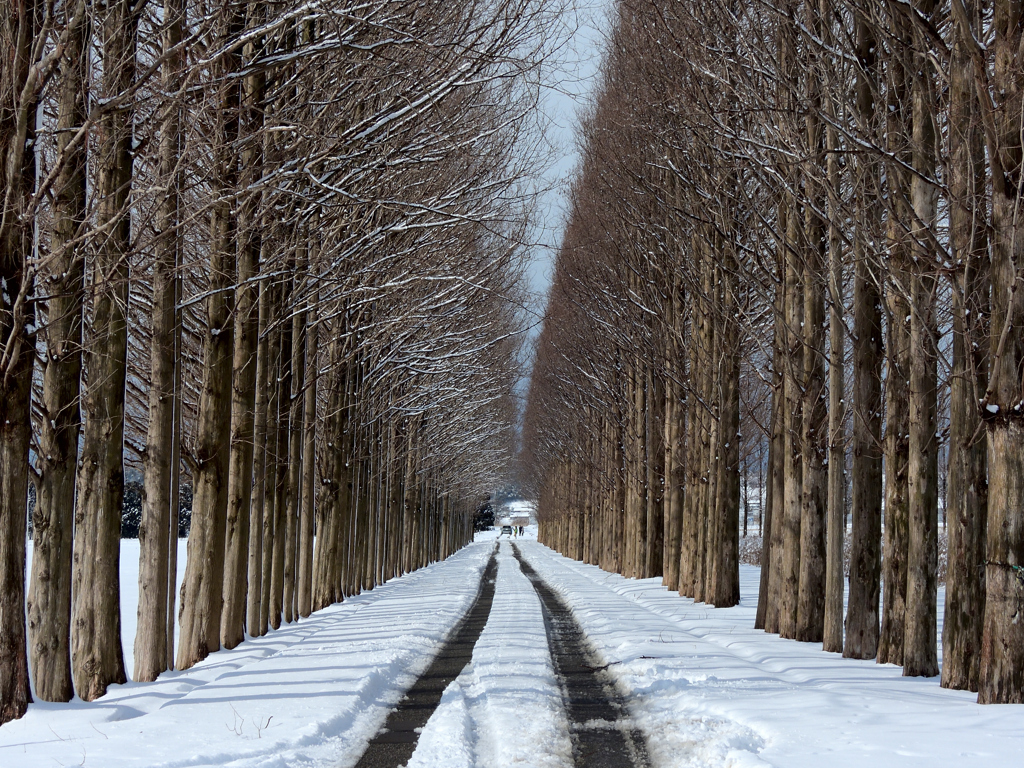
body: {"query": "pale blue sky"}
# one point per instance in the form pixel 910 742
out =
pixel 570 82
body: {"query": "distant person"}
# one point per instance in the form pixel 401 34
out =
pixel 522 530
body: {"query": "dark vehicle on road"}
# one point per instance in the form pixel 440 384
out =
pixel 506 529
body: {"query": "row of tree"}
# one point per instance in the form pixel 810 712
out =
pixel 799 223
pixel 267 252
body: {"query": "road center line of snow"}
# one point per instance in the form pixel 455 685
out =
pixel 396 741
pixel 602 734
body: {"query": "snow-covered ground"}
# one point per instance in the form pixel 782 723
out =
pixel 710 691
pixel 129 593
pixel 305 695
pixel 706 688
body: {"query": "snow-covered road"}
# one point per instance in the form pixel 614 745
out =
pixel 506 707
pixel 710 691
pixel 705 688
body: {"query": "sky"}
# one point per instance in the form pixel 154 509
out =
pixel 571 79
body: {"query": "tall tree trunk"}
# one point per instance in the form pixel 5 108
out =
pixel 897 382
pixel 308 508
pixel 17 148
pixel 776 469
pixel 1001 678
pixel 172 549
pixel 155 534
pixel 793 365
pixel 244 363
pixel 866 504
pixel 655 400
pixel 49 597
pixel 639 487
pixel 329 507
pixel 202 590
pixel 920 655
pixel 810 612
pixel 725 584
pixel 15 433
pixel 296 435
pixel 767 517
pixel 967 489
pixel 675 434
pixel 245 332
pixel 395 494
pixel 274 548
pixel 836 526
pixel 254 610
pixel 691 468
pixel 273 457
pixel 97 658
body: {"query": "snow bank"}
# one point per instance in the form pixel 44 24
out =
pixel 710 691
pixel 305 695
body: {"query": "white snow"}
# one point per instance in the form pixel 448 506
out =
pixel 706 688
pixel 506 707
pixel 129 594
pixel 305 695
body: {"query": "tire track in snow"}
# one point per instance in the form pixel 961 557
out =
pixel 602 734
pixel 658 663
pixel 506 709
pixel 396 741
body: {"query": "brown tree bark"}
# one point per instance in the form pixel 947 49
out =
pixel 17 121
pixel 810 612
pixel 836 525
pixel 245 340
pixel 156 534
pixel 675 433
pixel 309 507
pixel 776 473
pixel 866 504
pixel 245 334
pixel 277 472
pixel 764 593
pixel 654 565
pixel 792 419
pixel 1001 677
pixel 920 657
pixel 261 456
pixel 49 597
pixel 724 586
pixel 15 434
pixel 325 590
pixel 694 442
pixel 897 382
pixel 97 658
pixel 967 489
pixel 202 588
pixel 296 438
